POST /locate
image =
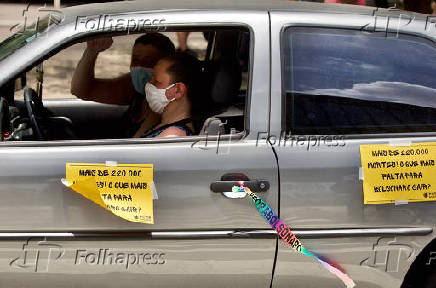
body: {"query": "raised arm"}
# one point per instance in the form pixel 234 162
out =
pixel 85 86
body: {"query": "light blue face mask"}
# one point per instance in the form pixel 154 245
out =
pixel 140 76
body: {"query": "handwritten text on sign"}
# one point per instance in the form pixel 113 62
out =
pixel 399 173
pixel 123 189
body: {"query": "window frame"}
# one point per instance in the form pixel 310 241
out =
pixel 349 31
pixel 78 36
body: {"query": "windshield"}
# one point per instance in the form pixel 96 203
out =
pixel 26 35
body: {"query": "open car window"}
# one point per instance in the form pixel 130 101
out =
pixel 224 58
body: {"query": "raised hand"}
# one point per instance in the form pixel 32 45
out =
pixel 99 45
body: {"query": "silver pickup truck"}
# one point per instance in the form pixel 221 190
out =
pixel 298 88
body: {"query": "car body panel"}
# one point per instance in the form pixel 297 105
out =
pixel 31 178
pixel 184 168
pixel 181 263
pixel 320 187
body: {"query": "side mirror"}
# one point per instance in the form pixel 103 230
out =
pixel 20 82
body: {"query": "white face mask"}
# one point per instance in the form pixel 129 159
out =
pixel 156 98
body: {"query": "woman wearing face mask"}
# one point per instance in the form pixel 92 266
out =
pixel 172 93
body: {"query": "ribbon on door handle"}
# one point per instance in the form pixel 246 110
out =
pixel 290 239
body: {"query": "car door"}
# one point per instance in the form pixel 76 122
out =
pixel 320 188
pixel 51 235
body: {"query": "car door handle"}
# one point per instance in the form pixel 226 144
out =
pixel 226 186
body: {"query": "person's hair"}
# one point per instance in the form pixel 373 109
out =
pixel 158 40
pixel 186 69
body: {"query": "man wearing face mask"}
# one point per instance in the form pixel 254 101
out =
pixel 127 89
pixel 173 92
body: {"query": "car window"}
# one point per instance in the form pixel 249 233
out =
pixel 58 69
pixel 222 52
pixel 354 82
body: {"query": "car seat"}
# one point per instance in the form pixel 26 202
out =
pixel 224 77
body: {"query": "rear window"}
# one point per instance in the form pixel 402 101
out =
pixel 354 82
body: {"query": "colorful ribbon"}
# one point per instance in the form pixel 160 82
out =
pixel 286 234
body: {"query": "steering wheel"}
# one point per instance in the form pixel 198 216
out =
pixel 45 125
pixel 33 104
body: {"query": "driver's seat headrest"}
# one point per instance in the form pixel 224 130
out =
pixel 226 77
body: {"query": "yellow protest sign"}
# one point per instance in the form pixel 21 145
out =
pixel 123 189
pixel 398 173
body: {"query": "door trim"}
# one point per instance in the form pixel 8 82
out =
pixel 259 233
